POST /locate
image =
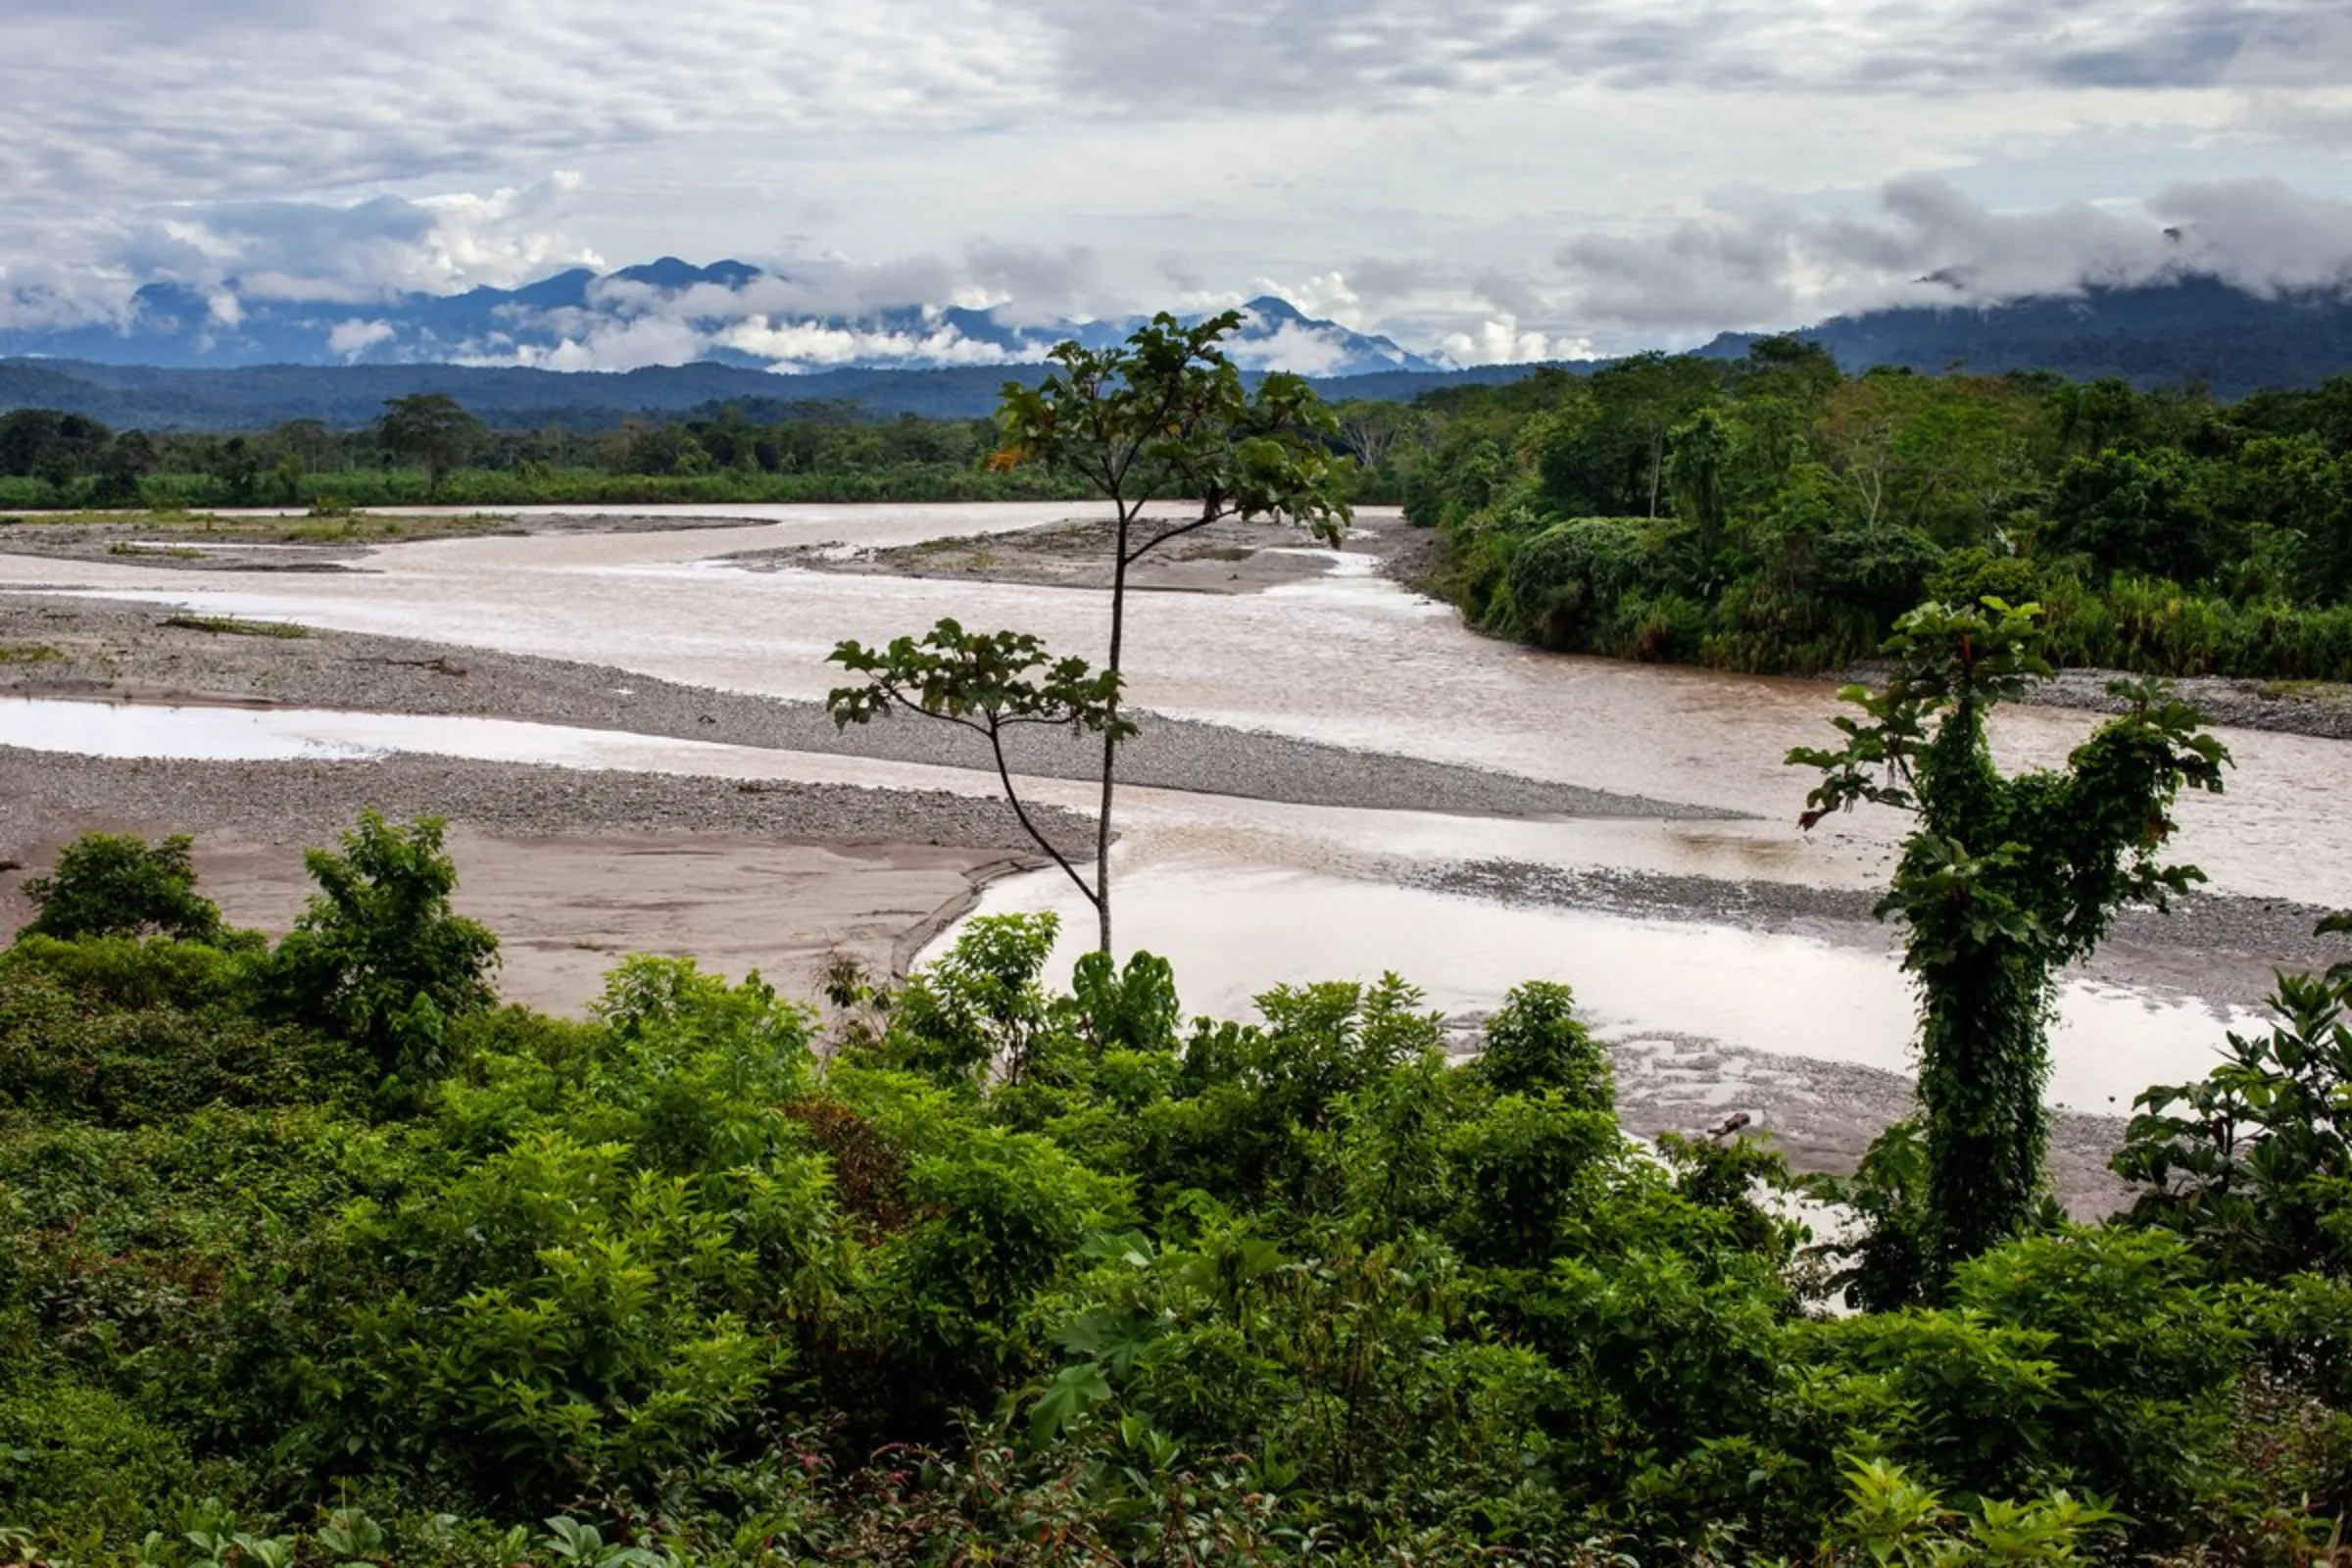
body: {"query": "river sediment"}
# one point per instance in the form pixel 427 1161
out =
pixel 78 646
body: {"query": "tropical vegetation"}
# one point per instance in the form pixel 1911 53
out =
pixel 319 1254
pixel 1773 513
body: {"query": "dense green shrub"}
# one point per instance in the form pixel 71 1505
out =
pixel 666 1280
pixel 1769 520
pixel 126 1033
pixel 109 885
pixel 2252 1163
pixel 379 957
pixel 78 1462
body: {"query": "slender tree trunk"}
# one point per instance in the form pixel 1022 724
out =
pixel 1110 744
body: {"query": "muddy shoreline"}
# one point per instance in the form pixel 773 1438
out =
pixel 2214 947
pixel 243 541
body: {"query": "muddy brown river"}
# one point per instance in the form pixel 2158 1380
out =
pixel 1239 892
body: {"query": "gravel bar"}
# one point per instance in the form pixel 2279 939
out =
pixel 2216 946
pixel 43 795
pixel 104 648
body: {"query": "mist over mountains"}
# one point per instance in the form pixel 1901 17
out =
pixel 589 350
pixel 2196 331
pixel 667 312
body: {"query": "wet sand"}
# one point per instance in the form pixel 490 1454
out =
pixel 572 869
pixel 568 908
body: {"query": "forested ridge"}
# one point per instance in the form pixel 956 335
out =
pixel 1773 513
pixel 428 448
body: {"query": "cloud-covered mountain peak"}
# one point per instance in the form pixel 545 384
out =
pixel 669 274
pixel 663 312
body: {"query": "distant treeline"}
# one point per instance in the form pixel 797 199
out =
pixel 428 448
pixel 810 453
pixel 1770 512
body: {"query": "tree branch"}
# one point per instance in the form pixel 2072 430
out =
pixel 996 746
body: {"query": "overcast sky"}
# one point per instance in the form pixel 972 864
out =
pixel 1502 179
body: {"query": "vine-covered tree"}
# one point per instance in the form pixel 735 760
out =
pixel 2002 882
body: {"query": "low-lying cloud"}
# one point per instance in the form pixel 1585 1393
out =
pixel 1931 244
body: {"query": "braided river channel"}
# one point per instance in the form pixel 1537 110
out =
pixel 1672 888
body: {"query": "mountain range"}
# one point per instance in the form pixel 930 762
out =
pixel 701 336
pixel 2194 331
pixel 665 312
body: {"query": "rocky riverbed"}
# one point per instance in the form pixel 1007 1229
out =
pixel 271 541
pixel 2215 947
pixel 59 646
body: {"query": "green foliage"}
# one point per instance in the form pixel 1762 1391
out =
pixel 379 957
pixel 981 1010
pixel 1028 1273
pixel 430 428
pixel 1888 1262
pixel 231 627
pixel 2002 882
pixel 1536 1043
pixel 1894 1522
pixel 1165 416
pixel 991 683
pixel 2253 1164
pixel 2136 515
pixel 127 1033
pixel 1009 1211
pixel 1579 586
pixel 1762 515
pixel 1168 414
pixel 82 1462
pixel 109 885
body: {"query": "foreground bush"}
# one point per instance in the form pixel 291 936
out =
pixel 687 1282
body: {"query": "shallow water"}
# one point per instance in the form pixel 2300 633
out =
pixel 1235 928
pixel 1233 932
pixel 230 734
pixel 1349 659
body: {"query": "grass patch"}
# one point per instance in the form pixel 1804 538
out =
pixel 2309 691
pixel 165 518
pixel 333 528
pixel 231 627
pixel 123 546
pixel 28 654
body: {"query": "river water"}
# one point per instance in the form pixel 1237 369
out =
pixel 1241 894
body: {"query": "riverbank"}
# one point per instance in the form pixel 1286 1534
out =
pixel 1413 559
pixel 293 541
pixel 2209 947
pixel 1823 1112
